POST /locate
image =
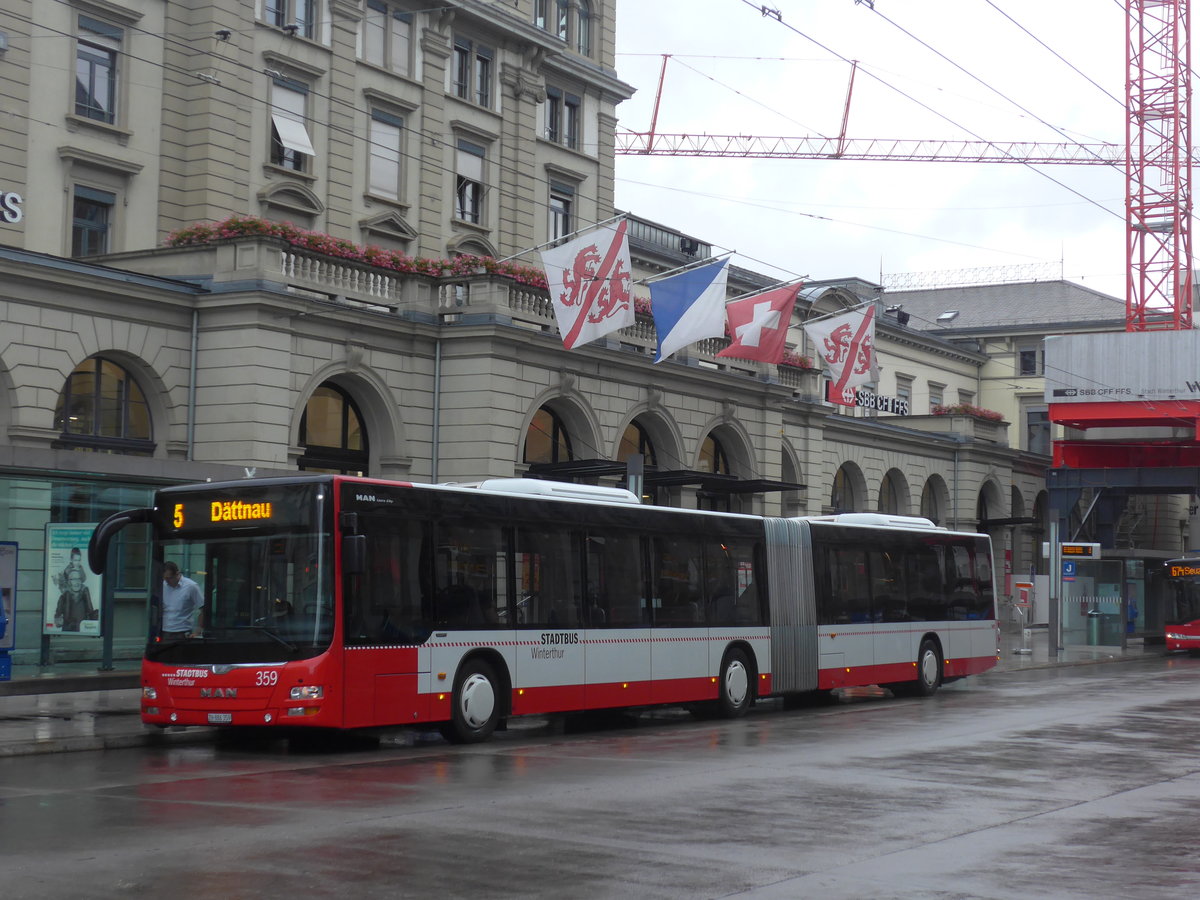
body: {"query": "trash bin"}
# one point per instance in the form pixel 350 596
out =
pixel 1093 627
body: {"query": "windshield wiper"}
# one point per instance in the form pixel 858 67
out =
pixel 269 632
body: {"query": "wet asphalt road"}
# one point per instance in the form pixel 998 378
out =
pixel 1070 782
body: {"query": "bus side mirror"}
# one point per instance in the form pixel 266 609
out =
pixel 354 554
pixel 107 530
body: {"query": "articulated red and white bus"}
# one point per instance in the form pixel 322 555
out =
pixel 342 602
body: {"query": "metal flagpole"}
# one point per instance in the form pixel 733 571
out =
pixel 564 238
pixel 659 276
pixel 840 312
pixel 775 287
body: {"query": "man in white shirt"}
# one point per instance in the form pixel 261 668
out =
pixel 182 616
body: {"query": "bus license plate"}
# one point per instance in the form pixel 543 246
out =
pixel 220 718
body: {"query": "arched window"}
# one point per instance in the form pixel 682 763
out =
pixel 583 29
pixel 713 457
pixel 931 502
pixel 332 433
pixel 636 440
pixel 889 496
pixel 844 498
pixel 102 409
pixel 547 440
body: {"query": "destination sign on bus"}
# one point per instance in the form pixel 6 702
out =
pixel 219 512
pixel 192 511
pixel 1183 568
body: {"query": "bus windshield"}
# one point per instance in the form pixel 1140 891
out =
pixel 266 589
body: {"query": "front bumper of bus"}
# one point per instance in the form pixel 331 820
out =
pixel 257 697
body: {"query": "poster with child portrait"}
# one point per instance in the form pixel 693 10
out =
pixel 73 591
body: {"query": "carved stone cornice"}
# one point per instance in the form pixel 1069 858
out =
pixel 523 83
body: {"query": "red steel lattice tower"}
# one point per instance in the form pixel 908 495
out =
pixel 1158 166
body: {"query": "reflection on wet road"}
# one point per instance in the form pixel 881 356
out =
pixel 1077 782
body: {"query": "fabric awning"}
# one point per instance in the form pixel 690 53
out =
pixel 292 134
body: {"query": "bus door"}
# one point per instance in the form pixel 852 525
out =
pixel 680 590
pixel 387 626
pixel 548 613
pixel 846 640
pixel 896 635
pixel 617 619
pixel 473 606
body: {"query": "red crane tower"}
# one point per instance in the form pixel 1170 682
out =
pixel 1158 166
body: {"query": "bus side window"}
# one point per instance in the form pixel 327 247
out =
pixel 732 596
pixel 678 588
pixel 548 578
pixel 390 602
pixel 964 594
pixel 615 592
pixel 926 591
pixel 889 593
pixel 471 579
pixel 850 590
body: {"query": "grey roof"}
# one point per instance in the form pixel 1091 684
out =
pixel 1030 304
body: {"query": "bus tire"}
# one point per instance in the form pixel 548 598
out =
pixel 735 685
pixel 929 670
pixel 475 707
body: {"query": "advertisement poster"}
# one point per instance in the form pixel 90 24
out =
pixel 73 591
pixel 8 592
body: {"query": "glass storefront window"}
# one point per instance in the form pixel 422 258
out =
pixel 27 506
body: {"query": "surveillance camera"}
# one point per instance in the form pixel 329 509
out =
pixel 224 34
pixel 290 29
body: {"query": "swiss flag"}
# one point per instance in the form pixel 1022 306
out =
pixel 759 324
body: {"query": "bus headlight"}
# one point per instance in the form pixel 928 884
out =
pixel 149 693
pixel 307 692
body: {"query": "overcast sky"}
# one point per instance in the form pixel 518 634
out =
pixel 735 71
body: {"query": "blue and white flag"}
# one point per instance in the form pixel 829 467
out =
pixel 689 307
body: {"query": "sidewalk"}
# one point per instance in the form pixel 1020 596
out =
pixel 75 707
pixel 1016 654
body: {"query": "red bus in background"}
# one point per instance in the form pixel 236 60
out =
pixel 344 603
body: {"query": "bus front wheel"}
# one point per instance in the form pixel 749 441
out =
pixel 735 686
pixel 475 709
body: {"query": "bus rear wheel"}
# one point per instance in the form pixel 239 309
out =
pixel 929 670
pixel 735 686
pixel 475 707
